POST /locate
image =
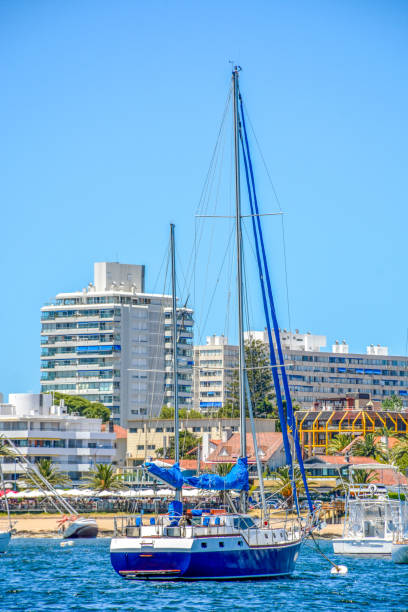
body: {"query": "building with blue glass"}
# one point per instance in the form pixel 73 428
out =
pixel 315 374
pixel 112 343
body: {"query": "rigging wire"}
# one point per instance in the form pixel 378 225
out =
pixel 275 193
pixel 218 276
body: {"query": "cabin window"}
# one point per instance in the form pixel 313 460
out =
pixel 240 543
pixel 203 544
pixel 221 544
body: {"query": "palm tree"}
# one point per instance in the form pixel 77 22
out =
pixel 364 476
pixel 283 482
pixel 338 443
pixel 222 469
pixel 368 447
pixel 5 449
pixel 50 472
pixel 359 477
pixel 400 453
pixel 103 478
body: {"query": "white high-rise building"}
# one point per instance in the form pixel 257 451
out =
pixel 111 343
pixel 215 365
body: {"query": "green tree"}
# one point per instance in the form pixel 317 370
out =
pixel 103 478
pixel 228 412
pixel 399 453
pixel 5 449
pixel 260 383
pixel 359 477
pixel 82 406
pixel 96 410
pixel 283 482
pixel 393 403
pixel 187 441
pixel 222 469
pixel 167 412
pixel 338 443
pixel 50 472
pixel 368 447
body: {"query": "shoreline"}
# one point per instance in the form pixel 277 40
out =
pixel 46 526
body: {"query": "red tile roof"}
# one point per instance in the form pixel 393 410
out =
pixel 188 464
pixel 121 432
pixel 341 460
pixel 268 444
pixel 383 476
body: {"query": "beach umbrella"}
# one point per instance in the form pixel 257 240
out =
pixel 89 492
pixel 60 491
pixel 145 493
pixel 129 494
pixel 74 493
pixel 13 495
pixel 165 493
pixel 7 492
pixel 106 494
pixel 34 494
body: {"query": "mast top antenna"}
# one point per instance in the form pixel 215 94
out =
pixel 235 67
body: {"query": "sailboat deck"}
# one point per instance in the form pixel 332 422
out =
pixel 232 526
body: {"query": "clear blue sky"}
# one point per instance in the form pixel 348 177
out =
pixel 109 113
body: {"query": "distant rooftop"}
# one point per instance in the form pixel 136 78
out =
pixel 296 341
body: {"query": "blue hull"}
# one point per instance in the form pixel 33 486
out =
pixel 262 562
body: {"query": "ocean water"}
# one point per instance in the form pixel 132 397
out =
pixel 38 574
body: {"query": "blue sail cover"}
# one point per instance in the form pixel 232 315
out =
pixel 172 475
pixel 236 479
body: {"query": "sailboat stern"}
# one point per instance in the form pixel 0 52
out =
pixel 155 558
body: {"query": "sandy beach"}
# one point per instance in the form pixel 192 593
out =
pixel 46 526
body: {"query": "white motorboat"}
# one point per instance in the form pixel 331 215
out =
pixel 372 519
pixel 80 527
pixel 399 552
pixel 399 548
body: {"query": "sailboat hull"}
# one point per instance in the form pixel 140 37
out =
pixel 184 563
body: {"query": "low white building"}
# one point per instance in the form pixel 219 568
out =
pixel 41 430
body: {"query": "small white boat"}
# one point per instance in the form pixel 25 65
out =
pixel 81 528
pixel 399 552
pixel 5 537
pixel 372 519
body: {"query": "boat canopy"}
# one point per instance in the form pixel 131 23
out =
pixel 237 477
pixel 171 476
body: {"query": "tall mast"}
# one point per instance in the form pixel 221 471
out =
pixel 238 231
pixel 174 334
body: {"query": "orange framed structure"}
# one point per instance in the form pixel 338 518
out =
pixel 318 428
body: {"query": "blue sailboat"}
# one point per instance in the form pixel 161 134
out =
pixel 233 545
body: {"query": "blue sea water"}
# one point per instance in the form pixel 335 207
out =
pixel 37 574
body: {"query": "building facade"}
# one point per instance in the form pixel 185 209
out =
pixel 145 438
pixel 41 430
pixel 111 343
pixel 354 414
pixel 214 367
pixel 316 374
